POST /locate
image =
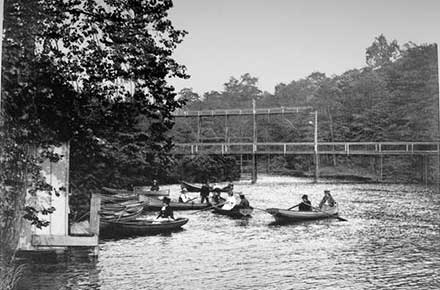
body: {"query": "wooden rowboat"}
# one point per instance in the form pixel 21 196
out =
pixel 284 215
pixel 156 204
pixel 144 227
pixel 235 213
pixel 190 187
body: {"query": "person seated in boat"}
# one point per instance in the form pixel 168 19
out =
pixel 155 186
pixel 327 199
pixel 183 197
pixel 304 205
pixel 244 203
pixel 204 192
pixel 216 196
pixel 230 186
pixel 230 202
pixel 166 212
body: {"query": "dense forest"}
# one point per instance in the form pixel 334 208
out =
pixel 393 98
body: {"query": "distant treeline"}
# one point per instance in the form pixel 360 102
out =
pixel 393 98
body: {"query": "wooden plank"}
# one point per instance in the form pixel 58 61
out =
pixel 95 206
pixel 64 241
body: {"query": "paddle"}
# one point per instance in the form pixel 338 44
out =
pixel 210 207
pixel 338 217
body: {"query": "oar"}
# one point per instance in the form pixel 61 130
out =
pixel 191 199
pixel 259 208
pixel 338 217
pixel 210 207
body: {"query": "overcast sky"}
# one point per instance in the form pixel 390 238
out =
pixel 284 40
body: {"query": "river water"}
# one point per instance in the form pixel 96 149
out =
pixel 391 241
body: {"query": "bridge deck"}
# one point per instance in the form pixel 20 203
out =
pixel 240 112
pixel 345 148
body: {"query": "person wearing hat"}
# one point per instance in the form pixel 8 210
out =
pixel 244 203
pixel 304 205
pixel 328 198
pixel 216 196
pixel 204 192
pixel 155 186
pixel 166 212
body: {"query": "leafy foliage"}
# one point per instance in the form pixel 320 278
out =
pixel 92 73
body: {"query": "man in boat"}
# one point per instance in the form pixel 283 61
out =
pixel 216 197
pixel 183 195
pixel 304 205
pixel 155 186
pixel 231 202
pixel 166 212
pixel 328 198
pixel 204 192
pixel 244 203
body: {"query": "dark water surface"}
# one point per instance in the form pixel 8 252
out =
pixel 391 241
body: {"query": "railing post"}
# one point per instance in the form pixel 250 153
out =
pixel 285 148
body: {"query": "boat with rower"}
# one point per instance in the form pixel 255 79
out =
pixel 234 213
pixel 140 226
pixel 153 204
pixel 285 215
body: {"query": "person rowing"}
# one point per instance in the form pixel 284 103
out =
pixel 327 200
pixel 166 212
pixel 244 203
pixel 304 205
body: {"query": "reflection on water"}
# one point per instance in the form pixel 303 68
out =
pixel 390 241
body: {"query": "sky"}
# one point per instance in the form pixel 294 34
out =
pixel 283 40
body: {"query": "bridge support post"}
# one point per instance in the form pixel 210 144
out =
pixel 254 168
pixel 316 148
pixel 254 141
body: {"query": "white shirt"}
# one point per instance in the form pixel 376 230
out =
pixel 184 197
pixel 230 203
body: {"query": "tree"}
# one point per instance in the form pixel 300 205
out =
pixel 381 52
pixel 92 73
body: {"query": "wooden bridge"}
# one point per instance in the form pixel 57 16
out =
pixel 202 145
pixel 341 148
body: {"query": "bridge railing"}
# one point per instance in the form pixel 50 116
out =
pixel 347 148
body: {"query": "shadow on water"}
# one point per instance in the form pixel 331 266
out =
pixel 122 236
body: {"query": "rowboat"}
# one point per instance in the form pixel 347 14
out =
pixel 119 212
pixel 235 213
pixel 284 215
pixel 145 190
pixel 144 227
pixel 190 187
pixel 156 204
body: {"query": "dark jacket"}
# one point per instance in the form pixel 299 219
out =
pixel 204 191
pixel 166 212
pixel 244 203
pixel 305 206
